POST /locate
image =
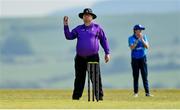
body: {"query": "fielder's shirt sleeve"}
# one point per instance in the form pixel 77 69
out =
pixel 130 41
pixel 145 39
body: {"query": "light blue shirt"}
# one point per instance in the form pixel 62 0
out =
pixel 139 51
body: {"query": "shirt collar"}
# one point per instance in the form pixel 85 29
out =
pixel 90 26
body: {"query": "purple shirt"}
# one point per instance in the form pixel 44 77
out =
pixel 88 38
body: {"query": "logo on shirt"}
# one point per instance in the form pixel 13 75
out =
pixel 139 48
pixel 83 30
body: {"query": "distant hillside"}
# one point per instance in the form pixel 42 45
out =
pixel 112 7
pixel 35 54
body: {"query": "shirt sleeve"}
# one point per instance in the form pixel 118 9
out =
pixel 70 35
pixel 130 41
pixel 145 38
pixel 104 41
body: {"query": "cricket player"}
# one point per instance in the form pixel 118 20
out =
pixel 138 44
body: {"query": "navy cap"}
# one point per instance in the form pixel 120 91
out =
pixel 139 27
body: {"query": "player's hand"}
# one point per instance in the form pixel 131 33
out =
pixel 140 36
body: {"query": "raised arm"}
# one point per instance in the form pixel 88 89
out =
pixel 69 35
pixel 145 42
pixel 132 44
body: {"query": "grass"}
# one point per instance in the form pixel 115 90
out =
pixel 29 99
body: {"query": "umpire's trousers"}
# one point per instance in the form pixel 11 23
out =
pixel 80 75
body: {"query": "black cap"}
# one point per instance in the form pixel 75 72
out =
pixel 87 11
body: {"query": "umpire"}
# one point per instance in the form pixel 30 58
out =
pixel 88 36
pixel 138 44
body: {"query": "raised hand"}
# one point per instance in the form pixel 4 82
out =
pixel 66 20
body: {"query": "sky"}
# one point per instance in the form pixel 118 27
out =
pixel 9 8
pixel 28 8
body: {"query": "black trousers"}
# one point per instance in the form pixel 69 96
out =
pixel 80 75
pixel 140 64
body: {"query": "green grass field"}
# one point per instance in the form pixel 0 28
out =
pixel 46 99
